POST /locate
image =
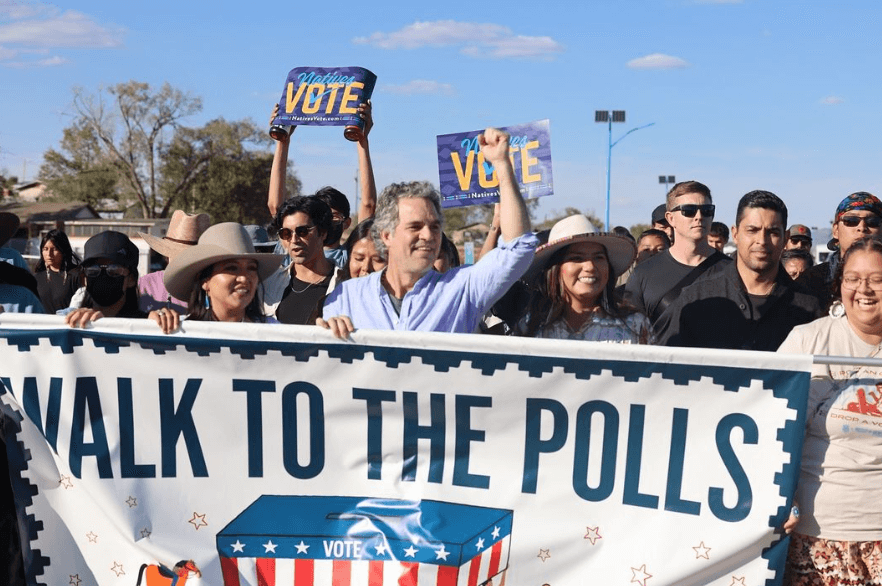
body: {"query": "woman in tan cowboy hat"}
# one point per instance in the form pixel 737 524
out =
pixel 219 277
pixel 574 276
pixel 183 232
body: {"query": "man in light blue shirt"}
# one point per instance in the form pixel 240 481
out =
pixel 408 294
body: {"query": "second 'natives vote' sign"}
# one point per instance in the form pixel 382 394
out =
pixel 324 96
pixel 467 179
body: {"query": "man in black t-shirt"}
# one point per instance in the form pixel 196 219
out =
pixel 690 212
pixel 294 294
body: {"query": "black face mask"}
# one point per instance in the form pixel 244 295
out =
pixel 105 290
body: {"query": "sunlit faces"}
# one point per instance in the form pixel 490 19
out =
pixel 364 259
pixel 52 256
pixel 584 272
pixel 307 249
pixel 231 287
pixel 759 238
pixel 694 228
pixel 846 234
pixel 862 291
pixel 649 246
pixel 413 245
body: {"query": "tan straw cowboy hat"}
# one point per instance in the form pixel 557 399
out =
pixel 183 232
pixel 620 250
pixel 220 242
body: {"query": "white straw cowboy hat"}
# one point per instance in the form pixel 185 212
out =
pixel 620 250
pixel 183 232
pixel 220 242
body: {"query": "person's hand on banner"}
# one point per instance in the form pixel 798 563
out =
pixel 793 519
pixel 341 326
pixel 169 320
pixel 81 317
pixel 494 145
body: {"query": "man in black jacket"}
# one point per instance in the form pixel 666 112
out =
pixel 750 304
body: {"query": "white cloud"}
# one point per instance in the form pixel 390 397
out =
pixel 70 29
pixel 474 39
pixel 832 100
pixel 48 62
pixel 658 61
pixel 419 86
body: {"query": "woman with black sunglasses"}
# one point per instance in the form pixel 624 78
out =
pixel 857 216
pixel 110 271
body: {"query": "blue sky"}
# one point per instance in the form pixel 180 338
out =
pixel 744 95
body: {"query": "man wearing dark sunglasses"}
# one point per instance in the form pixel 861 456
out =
pixel 655 283
pixel 749 304
pixel 858 215
pixel 800 238
pixel 293 293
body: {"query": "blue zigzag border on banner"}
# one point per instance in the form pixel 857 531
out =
pixel 782 383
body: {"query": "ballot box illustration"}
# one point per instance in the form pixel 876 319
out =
pixel 359 541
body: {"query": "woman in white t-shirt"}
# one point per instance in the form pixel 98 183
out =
pixel 837 537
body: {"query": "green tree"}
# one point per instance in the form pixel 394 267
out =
pixel 79 170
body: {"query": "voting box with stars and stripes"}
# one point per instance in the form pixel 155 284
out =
pixel 342 541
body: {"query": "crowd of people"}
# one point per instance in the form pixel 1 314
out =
pixel 673 285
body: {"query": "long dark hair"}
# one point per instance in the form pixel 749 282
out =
pixel 69 258
pixel 549 298
pixel 361 231
pixel 198 306
pixel 866 244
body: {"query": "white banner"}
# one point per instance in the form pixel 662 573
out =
pixel 270 455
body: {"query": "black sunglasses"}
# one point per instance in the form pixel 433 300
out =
pixel 869 221
pixel 300 231
pixel 112 270
pixel 690 209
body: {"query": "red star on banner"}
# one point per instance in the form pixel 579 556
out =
pixel 117 569
pixel 593 534
pixel 145 533
pixel 92 537
pixel 702 551
pixel 737 581
pixel 65 481
pixel 198 521
pixel 132 502
pixel 75 580
pixel 544 554
pixel 639 575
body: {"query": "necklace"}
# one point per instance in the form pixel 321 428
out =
pixel 296 292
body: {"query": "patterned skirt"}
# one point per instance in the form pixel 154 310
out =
pixel 812 561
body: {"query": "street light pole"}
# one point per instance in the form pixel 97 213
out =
pixel 609 118
pixel 667 180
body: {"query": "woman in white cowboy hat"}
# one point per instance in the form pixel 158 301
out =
pixel 218 277
pixel 574 276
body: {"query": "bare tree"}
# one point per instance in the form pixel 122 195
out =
pixel 135 124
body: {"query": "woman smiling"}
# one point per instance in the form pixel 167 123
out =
pixel 574 275
pixel 219 277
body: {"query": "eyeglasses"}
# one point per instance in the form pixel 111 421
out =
pixel 800 240
pixel 869 221
pixel 852 282
pixel 112 270
pixel 690 209
pixel 300 231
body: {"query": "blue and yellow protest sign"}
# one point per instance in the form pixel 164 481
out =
pixel 326 96
pixel 467 179
pixel 257 454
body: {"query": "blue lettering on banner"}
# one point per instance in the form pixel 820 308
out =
pixel 254 390
pixel 634 461
pixel 413 432
pixel 533 445
pixel 742 484
pixel 290 423
pixel 465 435
pixel 608 455
pixel 86 397
pixel 128 467
pixel 177 421
pixel 374 404
pixel 676 461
